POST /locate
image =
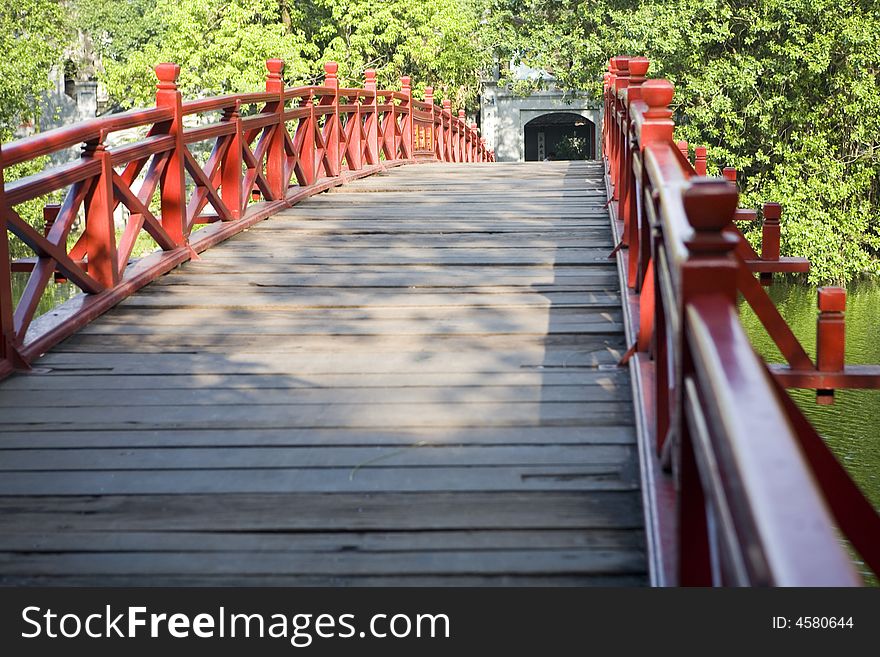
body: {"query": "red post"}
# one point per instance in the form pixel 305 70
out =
pixel 683 148
pixel 621 111
pixel 770 237
pixel 448 131
pixel 50 214
pixel 7 326
pixel 657 127
pixel 729 174
pixel 430 134
pixel 700 161
pixel 172 183
pixel 462 137
pixel 709 270
pixel 407 137
pixel 276 160
pixel 230 172
pixel 100 231
pixel 638 68
pixel 332 133
pixel 372 123
pixel 474 143
pixel 830 336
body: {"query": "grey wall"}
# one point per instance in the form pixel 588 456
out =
pixel 503 115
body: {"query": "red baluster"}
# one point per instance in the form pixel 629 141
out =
pixel 770 237
pixel 638 68
pixel 710 270
pixel 230 171
pixel 276 159
pixel 657 127
pixel 700 163
pixel 100 230
pixel 332 132
pixel 830 336
pixel 8 354
pixel 407 137
pixel 683 148
pixel 462 137
pixel 372 122
pixel 729 174
pixel 172 183
pixel 621 113
pixel 429 132
pixel 449 133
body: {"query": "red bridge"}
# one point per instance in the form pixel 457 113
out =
pixel 434 374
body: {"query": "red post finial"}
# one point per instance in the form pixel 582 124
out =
pixel 700 161
pixel 405 83
pixel 370 79
pixel 683 148
pixel 709 205
pixel 461 114
pixel 729 174
pixel 273 80
pixel 638 68
pixel 474 126
pixel 429 95
pixel 658 94
pixel 621 79
pixel 167 74
pixel 330 69
pixel 275 66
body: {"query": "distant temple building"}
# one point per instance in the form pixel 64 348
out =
pixel 548 124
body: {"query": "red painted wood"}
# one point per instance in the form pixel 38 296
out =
pixel 712 408
pixel 331 135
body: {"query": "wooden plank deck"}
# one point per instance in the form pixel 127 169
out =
pixel 409 380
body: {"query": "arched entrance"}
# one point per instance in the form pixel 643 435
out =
pixel 559 136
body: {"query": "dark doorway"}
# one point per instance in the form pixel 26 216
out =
pixel 560 136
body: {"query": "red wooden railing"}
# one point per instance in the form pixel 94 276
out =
pixel 270 150
pixel 739 487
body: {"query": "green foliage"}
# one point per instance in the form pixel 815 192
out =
pixel 222 45
pixel 32 35
pixel 572 147
pixel 787 91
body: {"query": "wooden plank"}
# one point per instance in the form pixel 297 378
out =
pixel 312 511
pixel 287 396
pixel 337 414
pixel 295 364
pixel 586 478
pixel 48 379
pixel 363 542
pixel 73 437
pixel 420 454
pixel 527 562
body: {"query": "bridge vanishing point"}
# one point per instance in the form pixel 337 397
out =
pixel 437 374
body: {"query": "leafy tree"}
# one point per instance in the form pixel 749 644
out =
pixel 221 44
pixel 33 34
pixel 787 91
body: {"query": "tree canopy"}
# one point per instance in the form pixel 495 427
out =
pixel 787 91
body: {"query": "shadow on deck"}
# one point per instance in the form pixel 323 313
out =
pixel 407 381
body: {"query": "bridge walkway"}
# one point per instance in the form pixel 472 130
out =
pixel 409 380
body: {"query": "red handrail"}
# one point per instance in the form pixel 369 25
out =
pixel 300 141
pixel 739 488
